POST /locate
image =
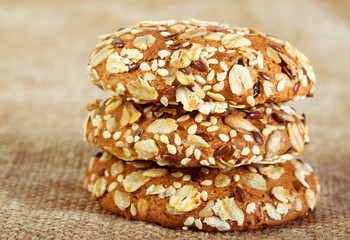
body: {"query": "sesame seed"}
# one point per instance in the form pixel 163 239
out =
pixel 133 210
pixel 96 132
pixel 208 55
pixel 198 223
pixel 250 208
pixel 186 178
pixel 224 137
pixel 112 186
pixel 186 44
pixel 199 79
pixel 127 133
pixel 245 151
pixel 93 177
pixel 263 120
pixel 204 195
pixel 212 129
pixel 134 126
pixel 177 139
pixel 213 61
pixel 211 49
pixel 304 81
pixel 205 170
pixel 266 132
pixel 189 152
pixel 268 110
pixel 164 33
pixel 95 74
pixel 271 127
pixel 185 161
pixel 98 122
pixel 221 49
pixel 250 100
pixel 183 118
pixel 120 178
pixel 164 139
pixel 171 149
pixel 119 144
pixel 236 178
pixel 129 139
pixel 177 174
pixel 169 42
pixel 163 53
pixel 106 148
pixel 221 76
pixel 198 118
pixel 94 120
pixel 248 138
pixel 147 109
pixel 106 134
pixel 260 60
pixel 127 152
pixel 149 76
pixel 211 75
pixel 177 184
pixel 206 88
pixel 106 117
pixel 280 85
pixel 162 72
pixel 197 154
pixel 233 133
pixel 211 160
pixel 206 182
pixel 145 67
pixel 189 221
pixel 161 63
pixel 223 66
pixel 204 163
pixel 256 150
pixel 252 169
pixel 307 138
pixel 135 31
pixel 192 129
pixel 206 124
pixel 156 137
pixel 164 101
pixel 154 65
pixel 216 96
pixel 213 120
pixel 121 87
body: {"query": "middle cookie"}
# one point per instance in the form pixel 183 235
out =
pixel 266 134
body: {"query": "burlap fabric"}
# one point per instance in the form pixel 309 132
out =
pixel 43 90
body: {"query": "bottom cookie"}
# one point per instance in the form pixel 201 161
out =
pixel 246 197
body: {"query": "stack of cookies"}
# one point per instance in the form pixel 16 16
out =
pixel 195 133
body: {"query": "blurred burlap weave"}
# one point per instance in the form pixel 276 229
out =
pixel 43 90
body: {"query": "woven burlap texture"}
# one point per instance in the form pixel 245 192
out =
pixel 43 90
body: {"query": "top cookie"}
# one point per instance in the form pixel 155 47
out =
pixel 203 65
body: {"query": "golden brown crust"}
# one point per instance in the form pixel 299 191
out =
pixel 245 197
pixel 203 65
pixel 265 133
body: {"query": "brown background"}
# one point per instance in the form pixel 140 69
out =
pixel 44 49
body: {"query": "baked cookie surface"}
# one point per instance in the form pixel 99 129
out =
pixel 246 197
pixel 266 133
pixel 203 65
